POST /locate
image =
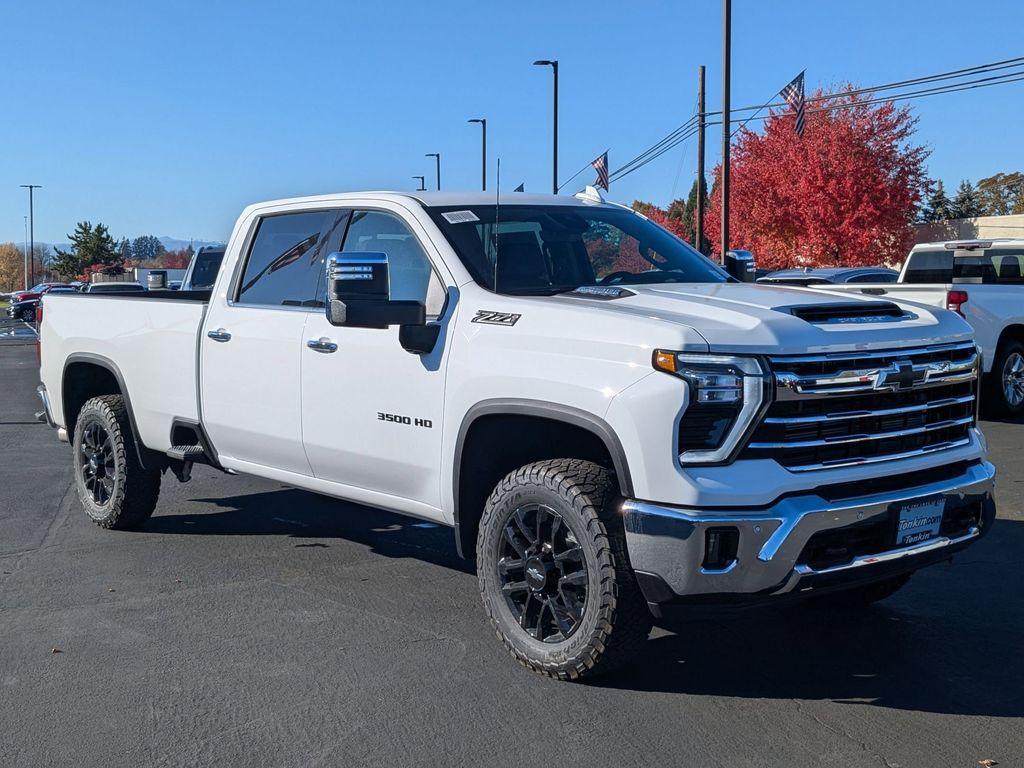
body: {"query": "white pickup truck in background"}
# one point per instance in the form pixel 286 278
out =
pixel 616 429
pixel 983 281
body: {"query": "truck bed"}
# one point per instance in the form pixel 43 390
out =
pixel 148 340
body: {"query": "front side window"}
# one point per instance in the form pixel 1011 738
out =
pixel 410 274
pixel 543 250
pixel 285 260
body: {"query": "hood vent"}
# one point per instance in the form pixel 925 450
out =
pixel 848 312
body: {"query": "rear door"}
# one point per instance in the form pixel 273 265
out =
pixel 250 351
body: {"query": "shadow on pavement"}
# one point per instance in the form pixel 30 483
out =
pixel 949 642
pixel 298 514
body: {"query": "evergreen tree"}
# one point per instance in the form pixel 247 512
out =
pixel 125 249
pixel 966 204
pixel 938 207
pixel 147 248
pixel 89 246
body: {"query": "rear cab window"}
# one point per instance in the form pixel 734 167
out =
pixel 929 266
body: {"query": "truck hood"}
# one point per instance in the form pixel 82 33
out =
pixel 756 318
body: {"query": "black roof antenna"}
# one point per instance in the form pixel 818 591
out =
pixel 497 202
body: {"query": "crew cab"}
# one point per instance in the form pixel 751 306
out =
pixel 982 281
pixel 617 430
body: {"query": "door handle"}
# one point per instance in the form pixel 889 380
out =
pixel 219 335
pixel 322 344
pixel 874 291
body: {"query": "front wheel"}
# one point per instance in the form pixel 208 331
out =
pixel 554 573
pixel 115 489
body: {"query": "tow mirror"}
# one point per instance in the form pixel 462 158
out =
pixel 359 293
pixel 740 264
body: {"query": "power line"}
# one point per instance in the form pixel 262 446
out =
pixel 684 131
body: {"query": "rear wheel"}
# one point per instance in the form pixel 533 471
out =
pixel 1006 381
pixel 114 488
pixel 554 573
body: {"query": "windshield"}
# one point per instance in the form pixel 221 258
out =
pixel 543 250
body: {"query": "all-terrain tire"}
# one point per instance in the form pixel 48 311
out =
pixel 615 620
pixel 133 489
pixel 1006 372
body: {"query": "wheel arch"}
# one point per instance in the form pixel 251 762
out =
pixel 87 375
pixel 1012 332
pixel 522 424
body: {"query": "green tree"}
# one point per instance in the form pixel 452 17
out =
pixel 966 204
pixel 147 248
pixel 1002 194
pixel 938 207
pixel 124 247
pixel 90 246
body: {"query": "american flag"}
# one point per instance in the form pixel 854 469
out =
pixel 793 94
pixel 601 166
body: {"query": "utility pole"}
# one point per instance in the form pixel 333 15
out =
pixel 423 183
pixel 437 157
pixel 553 63
pixel 31 233
pixel 698 224
pixel 726 120
pixel 483 156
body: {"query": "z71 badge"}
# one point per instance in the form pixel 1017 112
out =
pixel 495 318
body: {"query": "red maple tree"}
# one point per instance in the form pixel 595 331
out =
pixel 843 194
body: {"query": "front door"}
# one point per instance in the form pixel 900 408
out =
pixel 371 412
pixel 252 348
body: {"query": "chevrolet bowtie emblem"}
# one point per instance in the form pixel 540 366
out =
pixel 898 375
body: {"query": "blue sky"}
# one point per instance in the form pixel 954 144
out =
pixel 169 118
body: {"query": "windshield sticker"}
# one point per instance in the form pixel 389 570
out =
pixel 460 217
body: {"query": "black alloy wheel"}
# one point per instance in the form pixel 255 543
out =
pixel 543 573
pixel 96 463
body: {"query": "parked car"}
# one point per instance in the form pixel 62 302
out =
pixel 113 288
pixel 830 275
pixel 25 310
pixel 202 269
pixel 981 281
pixel 615 429
pixel 36 291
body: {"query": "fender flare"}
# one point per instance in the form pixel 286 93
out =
pixel 542 409
pixel 111 366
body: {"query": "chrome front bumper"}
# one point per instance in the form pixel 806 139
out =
pixel 667 544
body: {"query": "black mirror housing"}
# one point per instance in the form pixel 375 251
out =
pixel 359 293
pixel 740 264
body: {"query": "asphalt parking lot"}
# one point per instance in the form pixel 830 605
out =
pixel 254 624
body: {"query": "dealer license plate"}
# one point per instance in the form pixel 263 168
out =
pixel 919 521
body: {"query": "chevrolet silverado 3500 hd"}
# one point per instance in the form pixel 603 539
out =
pixel 616 429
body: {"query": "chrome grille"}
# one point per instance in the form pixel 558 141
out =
pixel 865 407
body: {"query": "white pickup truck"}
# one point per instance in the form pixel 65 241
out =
pixel 983 281
pixel 616 429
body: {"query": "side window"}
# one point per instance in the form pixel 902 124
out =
pixel 929 267
pixel 285 260
pixel 412 278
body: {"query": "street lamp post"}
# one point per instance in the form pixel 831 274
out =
pixel 31 234
pixel 483 153
pixel 423 183
pixel 726 121
pixel 553 63
pixel 437 157
pixel 26 253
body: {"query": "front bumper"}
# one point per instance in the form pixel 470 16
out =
pixel 667 545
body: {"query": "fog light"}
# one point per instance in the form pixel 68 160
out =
pixel 720 548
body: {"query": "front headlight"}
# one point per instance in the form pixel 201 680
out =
pixel 726 393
